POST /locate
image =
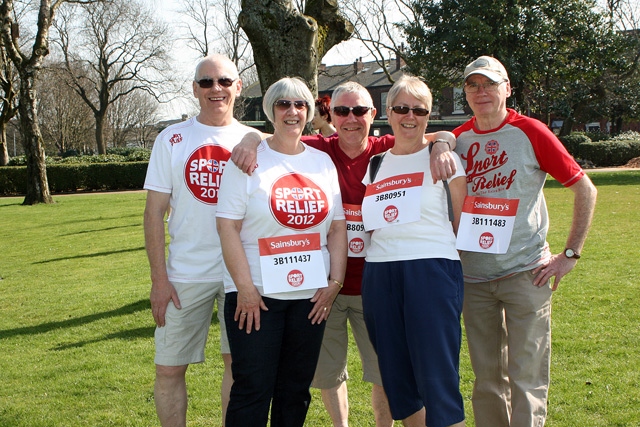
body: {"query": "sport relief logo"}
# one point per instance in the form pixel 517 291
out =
pixel 295 278
pixel 297 202
pixel 203 172
pixel 175 139
pixel 356 245
pixel 488 172
pixel 390 213
pixel 486 240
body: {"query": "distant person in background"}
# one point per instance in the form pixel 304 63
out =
pixel 182 180
pixel 322 117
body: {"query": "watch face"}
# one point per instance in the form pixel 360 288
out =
pixel 568 253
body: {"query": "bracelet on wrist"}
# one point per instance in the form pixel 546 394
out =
pixel 432 143
pixel 340 284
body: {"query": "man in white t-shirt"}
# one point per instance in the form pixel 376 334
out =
pixel 184 173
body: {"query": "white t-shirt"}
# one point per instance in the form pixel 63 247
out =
pixel 187 161
pixel 311 179
pixel 432 235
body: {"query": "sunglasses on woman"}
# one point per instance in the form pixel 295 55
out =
pixel 417 111
pixel 208 83
pixel 285 104
pixel 358 111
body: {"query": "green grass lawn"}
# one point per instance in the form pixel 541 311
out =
pixel 76 332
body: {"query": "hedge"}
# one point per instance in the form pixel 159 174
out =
pixel 69 178
pixel 87 176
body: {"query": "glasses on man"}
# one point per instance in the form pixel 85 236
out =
pixel 357 111
pixel 417 111
pixel 208 83
pixel 285 104
pixel 488 86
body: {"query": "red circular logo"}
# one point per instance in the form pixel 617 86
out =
pixel 295 278
pixel 297 202
pixel 486 240
pixel 203 171
pixel 356 245
pixel 491 147
pixel 390 213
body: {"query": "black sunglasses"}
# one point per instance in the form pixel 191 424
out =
pixel 417 111
pixel 285 104
pixel 358 111
pixel 208 83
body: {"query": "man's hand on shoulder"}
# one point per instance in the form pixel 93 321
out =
pixel 443 164
pixel 244 155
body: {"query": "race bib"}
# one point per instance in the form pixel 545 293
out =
pixel 486 224
pixel 358 239
pixel 292 263
pixel 392 201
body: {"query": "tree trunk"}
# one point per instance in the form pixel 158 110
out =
pixel 4 151
pixel 38 185
pixel 286 42
pixel 567 126
pixel 100 142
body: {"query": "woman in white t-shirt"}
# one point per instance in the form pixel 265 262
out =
pixel 412 284
pixel 284 243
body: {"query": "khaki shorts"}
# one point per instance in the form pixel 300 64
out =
pixel 332 364
pixel 183 338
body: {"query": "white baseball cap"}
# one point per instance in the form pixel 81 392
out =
pixel 489 67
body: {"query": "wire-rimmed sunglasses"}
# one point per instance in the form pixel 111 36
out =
pixel 417 111
pixel 222 81
pixel 358 110
pixel 285 104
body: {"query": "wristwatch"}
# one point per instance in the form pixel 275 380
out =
pixel 570 253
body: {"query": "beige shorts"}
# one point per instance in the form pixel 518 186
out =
pixel 332 363
pixel 183 338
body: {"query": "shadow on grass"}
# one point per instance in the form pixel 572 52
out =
pixel 130 334
pixel 102 229
pixel 97 254
pixel 132 308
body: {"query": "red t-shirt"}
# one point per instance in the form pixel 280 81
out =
pixel 350 175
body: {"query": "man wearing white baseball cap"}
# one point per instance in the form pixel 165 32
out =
pixel 507 295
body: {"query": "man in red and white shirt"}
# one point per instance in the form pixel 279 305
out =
pixel 507 298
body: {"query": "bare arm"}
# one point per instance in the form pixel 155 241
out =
pixel 337 247
pixel 443 165
pixel 244 154
pixel 154 237
pixel 584 202
pixel 249 299
pixel 458 188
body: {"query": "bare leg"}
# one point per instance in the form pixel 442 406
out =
pixel 170 395
pixel 418 419
pixel 337 404
pixel 227 382
pixel 380 406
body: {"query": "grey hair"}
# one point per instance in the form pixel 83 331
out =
pixel 412 85
pixel 351 87
pixel 288 87
pixel 213 58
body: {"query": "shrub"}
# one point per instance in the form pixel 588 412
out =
pixel 609 153
pixel 573 141
pixel 73 177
